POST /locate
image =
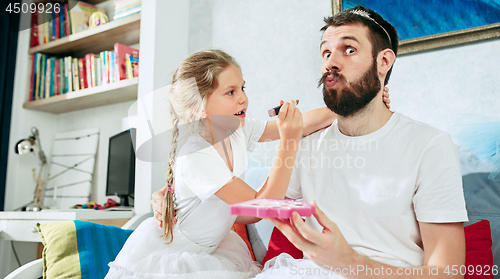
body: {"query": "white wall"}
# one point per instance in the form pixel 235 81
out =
pixel 435 86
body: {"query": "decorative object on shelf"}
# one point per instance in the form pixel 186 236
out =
pixel 97 19
pixel 72 167
pixel 79 15
pixel 29 145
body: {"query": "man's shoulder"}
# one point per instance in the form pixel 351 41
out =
pixel 316 137
pixel 417 129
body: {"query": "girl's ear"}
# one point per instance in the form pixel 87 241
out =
pixel 200 112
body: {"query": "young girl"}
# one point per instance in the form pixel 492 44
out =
pixel 207 174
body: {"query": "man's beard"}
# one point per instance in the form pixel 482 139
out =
pixel 355 96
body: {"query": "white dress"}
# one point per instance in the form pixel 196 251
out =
pixel 203 244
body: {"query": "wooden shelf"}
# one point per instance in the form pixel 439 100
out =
pixel 125 31
pixel 121 91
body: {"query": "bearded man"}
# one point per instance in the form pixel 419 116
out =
pixel 390 187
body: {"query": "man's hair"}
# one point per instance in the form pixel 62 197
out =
pixel 382 34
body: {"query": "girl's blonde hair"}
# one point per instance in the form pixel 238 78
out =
pixel 193 82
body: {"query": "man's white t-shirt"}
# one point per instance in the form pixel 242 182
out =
pixel 377 187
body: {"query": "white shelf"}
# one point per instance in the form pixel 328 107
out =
pixel 125 31
pixel 121 91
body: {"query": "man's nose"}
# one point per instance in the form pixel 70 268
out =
pixel 333 62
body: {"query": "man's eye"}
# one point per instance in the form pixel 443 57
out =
pixel 326 55
pixel 230 92
pixel 350 50
pixel 243 88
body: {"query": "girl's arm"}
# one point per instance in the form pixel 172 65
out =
pixel 290 127
pixel 314 120
pixel 276 185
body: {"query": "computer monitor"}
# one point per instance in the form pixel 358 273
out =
pixel 121 167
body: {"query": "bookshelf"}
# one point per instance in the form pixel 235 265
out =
pixel 121 91
pixel 125 31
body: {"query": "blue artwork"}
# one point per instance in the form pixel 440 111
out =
pixel 419 18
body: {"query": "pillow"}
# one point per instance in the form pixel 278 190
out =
pixel 241 230
pixel 478 250
pixel 258 248
pixel 477 245
pixel 280 244
pixel 79 249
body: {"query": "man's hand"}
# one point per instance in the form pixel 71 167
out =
pixel 157 203
pixel 444 246
pixel 328 247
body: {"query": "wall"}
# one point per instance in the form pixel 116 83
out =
pixel 277 46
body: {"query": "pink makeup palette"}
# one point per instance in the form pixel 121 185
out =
pixel 271 208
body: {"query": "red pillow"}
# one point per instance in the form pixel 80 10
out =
pixel 241 230
pixel 279 244
pixel 478 256
pixel 477 246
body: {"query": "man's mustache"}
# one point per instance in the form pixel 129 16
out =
pixel 333 74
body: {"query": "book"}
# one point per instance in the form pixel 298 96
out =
pixel 67 23
pixel 34 41
pixel 132 63
pixel 102 67
pixel 61 76
pixel 82 74
pixel 127 13
pixel 32 75
pixel 46 28
pixel 53 24
pixel 38 71
pixel 57 24
pixel 62 24
pixel 132 8
pixel 120 51
pixel 68 73
pixel 80 14
pixel 93 70
pixel 52 78
pixel 112 64
pixel 41 65
pixel 88 70
pixel 47 78
pixel 108 67
pixel 55 81
pixel 40 28
pixel 98 71
pixel 124 4
pixel 76 79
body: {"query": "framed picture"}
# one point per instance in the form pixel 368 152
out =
pixel 429 24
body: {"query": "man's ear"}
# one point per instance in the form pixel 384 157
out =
pixel 385 60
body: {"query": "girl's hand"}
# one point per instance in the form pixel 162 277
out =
pixel 157 204
pixel 385 97
pixel 289 122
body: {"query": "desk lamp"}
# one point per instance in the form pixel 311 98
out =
pixel 26 146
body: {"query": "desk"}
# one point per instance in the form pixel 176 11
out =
pixel 21 226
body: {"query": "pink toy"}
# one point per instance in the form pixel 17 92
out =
pixel 271 208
